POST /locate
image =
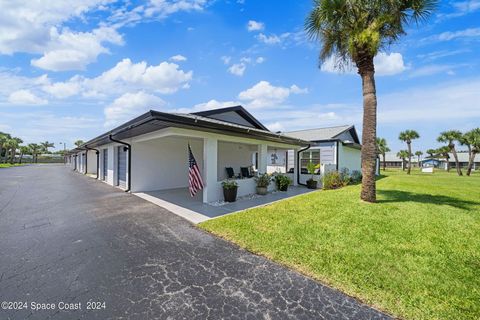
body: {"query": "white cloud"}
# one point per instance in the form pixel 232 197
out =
pixel 255 26
pixel 260 60
pixel 214 104
pixel 263 94
pixel 467 33
pixel 429 70
pixel 26 25
pixel 389 64
pixel 385 65
pixel 164 8
pixel 164 78
pixel 272 39
pixel 25 97
pixel 276 127
pixel 178 58
pixel 238 69
pixel 130 105
pixel 75 50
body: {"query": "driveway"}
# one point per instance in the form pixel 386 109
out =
pixel 66 238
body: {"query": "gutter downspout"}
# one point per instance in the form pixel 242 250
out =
pixel 97 152
pixel 298 165
pixel 129 148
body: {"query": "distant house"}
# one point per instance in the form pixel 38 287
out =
pixel 392 161
pixel 462 159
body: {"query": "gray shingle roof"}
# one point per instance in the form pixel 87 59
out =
pixel 318 133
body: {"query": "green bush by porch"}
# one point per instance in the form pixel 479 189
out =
pixel 415 254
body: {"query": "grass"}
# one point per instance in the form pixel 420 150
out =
pixel 9 165
pixel 414 254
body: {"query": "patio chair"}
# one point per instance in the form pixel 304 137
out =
pixel 230 172
pixel 246 172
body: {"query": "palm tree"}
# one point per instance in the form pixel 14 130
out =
pixel 450 137
pixel 355 32
pixel 3 139
pixel 418 154
pixel 78 143
pixel 431 153
pixel 403 154
pixel 14 146
pixel 23 151
pixel 407 136
pixel 382 149
pixel 45 145
pixel 35 150
pixel 445 153
pixel 472 140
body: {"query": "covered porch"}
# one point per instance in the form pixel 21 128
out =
pixel 160 170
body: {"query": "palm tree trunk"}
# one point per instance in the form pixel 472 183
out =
pixel 455 156
pixel 409 147
pixel 384 162
pixel 369 134
pixel 471 160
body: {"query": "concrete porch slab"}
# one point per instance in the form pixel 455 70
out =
pixel 179 202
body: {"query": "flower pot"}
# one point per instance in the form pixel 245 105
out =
pixel 283 187
pixel 262 191
pixel 312 184
pixel 230 195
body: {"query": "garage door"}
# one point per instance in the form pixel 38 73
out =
pixel 105 164
pixel 122 167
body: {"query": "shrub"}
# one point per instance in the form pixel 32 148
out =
pixel 282 182
pixel 345 176
pixel 356 176
pixel 263 180
pixel 229 184
pixel 333 180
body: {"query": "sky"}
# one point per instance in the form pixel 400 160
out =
pixel 72 70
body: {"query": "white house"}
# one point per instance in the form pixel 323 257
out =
pixel 334 147
pixel 149 153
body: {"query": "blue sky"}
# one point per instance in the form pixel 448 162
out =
pixel 71 71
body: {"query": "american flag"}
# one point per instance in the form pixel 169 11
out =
pixel 195 182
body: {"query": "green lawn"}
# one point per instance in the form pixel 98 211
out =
pixel 414 254
pixel 8 165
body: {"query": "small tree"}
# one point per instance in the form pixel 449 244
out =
pixel 46 145
pixel 431 153
pixel 419 154
pixel 382 148
pixel 78 143
pixel 35 150
pixel 472 140
pixel 450 137
pixel 23 151
pixel 444 152
pixel 403 154
pixel 407 136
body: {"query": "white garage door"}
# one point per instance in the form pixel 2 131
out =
pixel 122 167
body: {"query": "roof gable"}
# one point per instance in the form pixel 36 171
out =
pixel 343 133
pixel 236 115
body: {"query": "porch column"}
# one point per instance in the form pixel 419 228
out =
pixel 210 156
pixel 262 158
pixel 295 167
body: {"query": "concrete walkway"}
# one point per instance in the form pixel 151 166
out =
pixel 66 238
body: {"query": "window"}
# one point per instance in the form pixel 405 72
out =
pixel 307 156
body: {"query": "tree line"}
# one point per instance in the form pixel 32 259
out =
pixel 11 146
pixel 470 139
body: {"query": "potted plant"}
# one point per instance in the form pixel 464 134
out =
pixel 263 181
pixel 282 182
pixel 230 188
pixel 312 183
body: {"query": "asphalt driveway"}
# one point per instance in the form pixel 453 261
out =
pixel 67 240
